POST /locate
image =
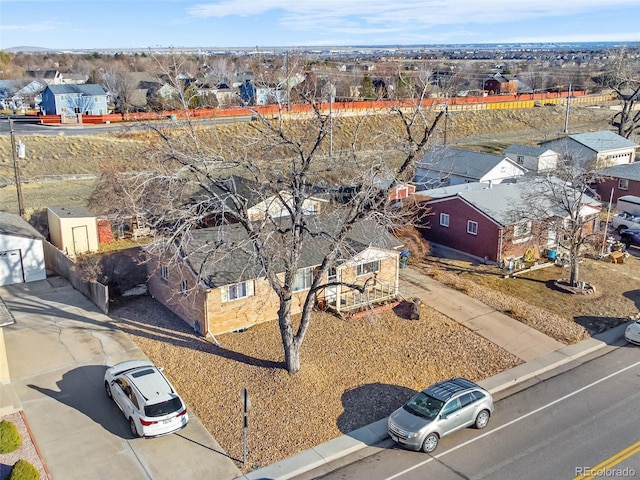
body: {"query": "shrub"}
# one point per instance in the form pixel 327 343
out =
pixel 10 439
pixel 23 470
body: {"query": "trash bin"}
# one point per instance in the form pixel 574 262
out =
pixel 404 258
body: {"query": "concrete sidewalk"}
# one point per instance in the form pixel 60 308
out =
pixel 57 352
pixel 515 337
pixel 539 352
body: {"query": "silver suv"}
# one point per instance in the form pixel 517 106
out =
pixel 440 410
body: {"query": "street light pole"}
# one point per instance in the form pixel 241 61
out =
pixel 16 168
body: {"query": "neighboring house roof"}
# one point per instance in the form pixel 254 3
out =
pixel 7 87
pixel 86 89
pixel 15 225
pixel 237 264
pixel 31 88
pixel 460 162
pixel 451 190
pixel 238 186
pixel 71 212
pixel 78 77
pixel 526 150
pixel 603 140
pixel 505 204
pixel 629 171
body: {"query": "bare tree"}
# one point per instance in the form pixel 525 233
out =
pixel 120 86
pixel 80 103
pixel 622 75
pixel 286 161
pixel 564 201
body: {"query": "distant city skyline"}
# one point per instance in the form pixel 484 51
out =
pixel 135 24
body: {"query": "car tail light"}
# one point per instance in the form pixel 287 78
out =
pixel 183 412
pixel 146 423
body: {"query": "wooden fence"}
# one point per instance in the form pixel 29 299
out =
pixel 525 100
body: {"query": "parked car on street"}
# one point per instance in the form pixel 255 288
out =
pixel 630 236
pixel 438 411
pixel 632 332
pixel 146 398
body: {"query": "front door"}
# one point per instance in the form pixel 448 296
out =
pixel 80 239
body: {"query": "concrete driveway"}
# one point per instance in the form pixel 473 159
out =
pixel 57 353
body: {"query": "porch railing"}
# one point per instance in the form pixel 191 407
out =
pixel 354 299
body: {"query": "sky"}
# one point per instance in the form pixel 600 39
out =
pixel 115 24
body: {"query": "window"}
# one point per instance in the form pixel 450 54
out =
pixel 164 272
pixel 466 399
pixel 623 184
pixel 237 291
pixel 472 227
pixel 369 267
pixel 444 219
pixel 304 277
pixel 520 159
pixel 452 406
pixel 522 229
pixel 183 287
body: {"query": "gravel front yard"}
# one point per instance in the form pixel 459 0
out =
pixel 353 372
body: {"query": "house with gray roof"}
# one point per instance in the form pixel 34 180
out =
pixel 444 166
pixel 21 251
pixel 596 149
pixel 87 99
pixel 535 159
pixel 218 285
pixel 619 179
pixel 499 223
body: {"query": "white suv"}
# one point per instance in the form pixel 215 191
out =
pixel 146 398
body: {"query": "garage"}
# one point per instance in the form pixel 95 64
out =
pixel 11 267
pixel 21 251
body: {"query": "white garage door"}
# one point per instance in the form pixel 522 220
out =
pixel 11 267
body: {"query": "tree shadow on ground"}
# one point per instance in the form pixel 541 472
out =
pixel 133 317
pixel 595 324
pixel 368 403
pixel 634 296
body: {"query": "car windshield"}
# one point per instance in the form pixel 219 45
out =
pixel 424 406
pixel 163 408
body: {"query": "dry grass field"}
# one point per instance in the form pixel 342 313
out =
pixel 52 156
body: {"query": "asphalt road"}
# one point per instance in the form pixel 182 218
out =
pixel 577 422
pixel 27 127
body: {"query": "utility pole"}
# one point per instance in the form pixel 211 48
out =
pixel 16 168
pixel 566 115
pixel 332 94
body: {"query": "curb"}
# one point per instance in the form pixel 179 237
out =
pixel 376 432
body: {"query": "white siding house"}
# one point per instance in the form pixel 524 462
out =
pixel 536 159
pixel 602 149
pixel 21 251
pixel 445 166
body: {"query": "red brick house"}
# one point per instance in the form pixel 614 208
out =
pixel 622 179
pixel 492 223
